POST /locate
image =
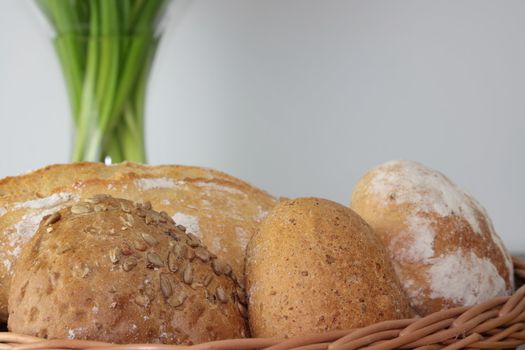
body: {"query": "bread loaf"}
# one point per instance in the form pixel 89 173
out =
pixel 110 270
pixel 444 245
pixel 219 209
pixel 316 266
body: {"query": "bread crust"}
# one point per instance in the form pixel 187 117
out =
pixel 221 210
pixel 443 243
pixel 115 271
pixel 315 266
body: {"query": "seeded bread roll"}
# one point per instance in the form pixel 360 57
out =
pixel 110 270
pixel 315 266
pixel 219 209
pixel 444 245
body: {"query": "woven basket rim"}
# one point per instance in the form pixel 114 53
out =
pixel 498 323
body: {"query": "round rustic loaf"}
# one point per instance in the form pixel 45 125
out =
pixel 445 249
pixel 219 209
pixel 111 270
pixel 314 266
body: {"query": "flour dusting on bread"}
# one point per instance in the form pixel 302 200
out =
pixel 242 236
pixel 27 226
pixel 261 214
pixel 21 232
pixel 190 222
pixel 47 202
pixel 465 278
pixel 155 183
pixel 408 182
pixel 421 235
pixel 216 186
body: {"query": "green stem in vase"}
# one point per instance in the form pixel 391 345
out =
pixel 88 136
pixel 106 48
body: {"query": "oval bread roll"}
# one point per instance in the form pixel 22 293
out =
pixel 314 266
pixel 444 245
pixel 114 271
pixel 219 209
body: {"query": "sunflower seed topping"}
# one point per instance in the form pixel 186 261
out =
pixel 125 207
pixel 127 220
pixel 165 286
pixel 207 280
pixel 129 264
pixel 142 300
pixel 193 241
pixel 241 294
pixel 178 298
pixel 114 255
pixel 179 251
pixel 172 262
pixel 140 245
pixel 221 295
pixel 202 254
pixel 242 310
pixel 165 217
pixel 81 208
pixel 233 276
pixel 100 207
pixel 220 267
pixel 187 274
pixel 152 241
pixel 190 254
pixel 162 218
pixel 125 248
pixel 143 205
pixel 92 200
pixel 154 260
pixel 53 218
pixel 97 198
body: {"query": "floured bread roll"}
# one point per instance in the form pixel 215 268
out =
pixel 445 249
pixel 111 270
pixel 219 209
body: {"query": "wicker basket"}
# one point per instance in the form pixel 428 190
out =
pixel 496 324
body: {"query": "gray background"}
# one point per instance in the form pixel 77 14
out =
pixel 302 97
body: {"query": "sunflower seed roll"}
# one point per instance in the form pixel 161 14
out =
pixel 117 271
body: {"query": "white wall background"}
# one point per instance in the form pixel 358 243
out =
pixel 301 97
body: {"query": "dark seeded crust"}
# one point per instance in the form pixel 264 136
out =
pixel 222 210
pixel 316 266
pixel 115 271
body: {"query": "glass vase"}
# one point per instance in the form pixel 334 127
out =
pixel 106 49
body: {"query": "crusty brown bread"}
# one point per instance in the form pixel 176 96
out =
pixel 221 210
pixel 314 266
pixel 444 245
pixel 111 270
